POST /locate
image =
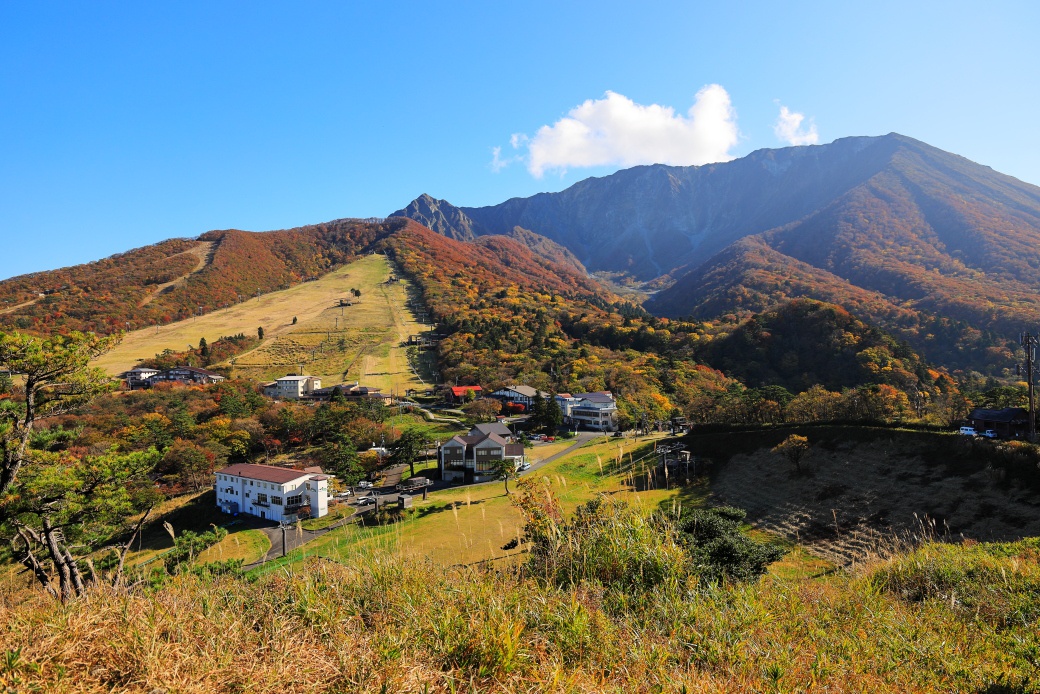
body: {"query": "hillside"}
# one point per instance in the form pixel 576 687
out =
pixel 805 343
pixel 934 248
pixel 177 279
pixel 303 325
pixel 861 491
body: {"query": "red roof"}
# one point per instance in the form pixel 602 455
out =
pixel 460 391
pixel 264 473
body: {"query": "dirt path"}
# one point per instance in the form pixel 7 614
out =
pixel 12 309
pixel 202 252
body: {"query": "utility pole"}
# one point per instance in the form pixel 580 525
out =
pixel 1029 343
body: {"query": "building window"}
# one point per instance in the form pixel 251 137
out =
pixel 293 500
pixel 276 500
pixel 261 498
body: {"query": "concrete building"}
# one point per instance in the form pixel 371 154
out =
pixel 292 387
pixel 595 411
pixel 269 492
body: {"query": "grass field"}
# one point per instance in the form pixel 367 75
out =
pixel 362 342
pixel 249 545
pixel 471 524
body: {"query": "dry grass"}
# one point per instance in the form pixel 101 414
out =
pixel 249 545
pixel 385 625
pixel 857 499
pixel 362 342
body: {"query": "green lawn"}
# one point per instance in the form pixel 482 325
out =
pixel 471 524
pixel 249 545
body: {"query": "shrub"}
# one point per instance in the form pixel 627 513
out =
pixel 720 550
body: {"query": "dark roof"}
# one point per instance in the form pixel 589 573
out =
pixel 265 473
pixel 602 396
pixel 491 428
pixel 473 439
pixel 194 369
pixel 514 450
pixel 1008 414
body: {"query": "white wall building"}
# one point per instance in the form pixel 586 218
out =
pixel 292 387
pixel 596 411
pixel 139 377
pixel 270 492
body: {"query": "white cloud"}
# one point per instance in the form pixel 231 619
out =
pixel 616 130
pixel 788 128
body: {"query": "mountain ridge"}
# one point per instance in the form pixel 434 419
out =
pixel 916 237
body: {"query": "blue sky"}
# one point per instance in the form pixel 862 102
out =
pixel 122 124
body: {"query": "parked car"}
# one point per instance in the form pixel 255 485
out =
pixel 534 437
pixel 364 484
pixel 990 434
pixel 550 438
pixel 525 466
pixel 968 431
pixel 365 501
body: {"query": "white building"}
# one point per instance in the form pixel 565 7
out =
pixel 292 387
pixel 269 492
pixel 596 411
pixel 139 377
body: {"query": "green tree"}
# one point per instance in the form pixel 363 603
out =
pixel 552 416
pixel 260 333
pixel 64 508
pixel 55 378
pixel 408 448
pixel 339 456
pixel 203 349
pixel 504 470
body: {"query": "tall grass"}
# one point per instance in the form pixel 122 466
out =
pixel 389 625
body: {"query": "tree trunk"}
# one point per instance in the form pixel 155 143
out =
pixel 64 579
pixel 32 563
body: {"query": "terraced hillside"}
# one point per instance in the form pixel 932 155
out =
pixel 862 491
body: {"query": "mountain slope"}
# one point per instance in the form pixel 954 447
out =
pixel 651 220
pixel 163 282
pixel 925 243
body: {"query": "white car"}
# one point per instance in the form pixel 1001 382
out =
pixel 364 484
pixel 990 434
pixel 968 431
pixel 365 501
